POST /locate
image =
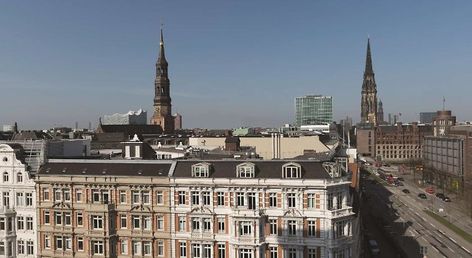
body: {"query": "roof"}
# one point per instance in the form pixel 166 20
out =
pixel 130 129
pixel 107 167
pixel 264 169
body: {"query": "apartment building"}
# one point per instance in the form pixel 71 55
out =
pixel 18 207
pixel 106 208
pixel 276 209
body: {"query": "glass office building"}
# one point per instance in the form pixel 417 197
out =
pixel 314 110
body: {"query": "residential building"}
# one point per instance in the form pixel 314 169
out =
pixel 162 101
pixel 314 110
pixel 18 222
pixel 131 118
pixel 104 208
pixel 369 92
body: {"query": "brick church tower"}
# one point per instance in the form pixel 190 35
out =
pixel 369 93
pixel 162 102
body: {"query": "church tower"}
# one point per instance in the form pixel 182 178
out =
pixel 369 92
pixel 162 102
pixel 380 112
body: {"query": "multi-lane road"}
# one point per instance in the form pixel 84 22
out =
pixel 414 230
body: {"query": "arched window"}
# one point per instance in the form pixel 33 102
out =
pixel 245 170
pixel 5 176
pixel 201 170
pixel 19 177
pixel 5 159
pixel 291 170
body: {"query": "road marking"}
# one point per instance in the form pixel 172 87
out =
pixel 452 239
pixel 432 225
pixel 466 250
pixel 442 232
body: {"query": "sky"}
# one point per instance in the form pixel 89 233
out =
pixel 231 63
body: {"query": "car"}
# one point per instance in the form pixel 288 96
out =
pixel 422 196
pixel 374 247
pixel 406 191
pixel 440 196
pixel 446 199
pixel 430 190
pixel 400 179
pixel 398 183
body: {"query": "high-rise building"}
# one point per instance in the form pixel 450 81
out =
pixel 314 110
pixel 427 117
pixel 162 101
pixel 380 112
pixel 369 92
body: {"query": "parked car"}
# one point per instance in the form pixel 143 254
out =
pixel 398 183
pixel 430 190
pixel 440 196
pixel 374 247
pixel 400 179
pixel 446 199
pixel 406 190
pixel 422 196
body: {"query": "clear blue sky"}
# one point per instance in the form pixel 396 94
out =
pixel 231 63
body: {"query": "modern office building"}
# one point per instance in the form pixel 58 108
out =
pixel 18 222
pixel 427 117
pixel 314 110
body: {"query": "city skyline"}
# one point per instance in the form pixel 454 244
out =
pixel 80 69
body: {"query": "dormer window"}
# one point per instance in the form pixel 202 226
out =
pixel 5 177
pixel 201 170
pixel 245 170
pixel 291 170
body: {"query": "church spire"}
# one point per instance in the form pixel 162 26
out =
pixel 162 58
pixel 368 60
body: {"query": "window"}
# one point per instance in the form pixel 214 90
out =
pixel 239 199
pixel 245 170
pixel 160 248
pixel 47 241
pixel 67 219
pixel 291 200
pixel 341 228
pixel 124 247
pixel 196 251
pixel 245 228
pixel 206 224
pixel 251 201
pixel 160 222
pixel 292 253
pixel 272 199
pixel 123 221
pixel 46 194
pixel 6 199
pixel 160 197
pixel 68 243
pixel 200 170
pixel 220 198
pixel 97 222
pixel 80 219
pixel 2 246
pixel 136 222
pixel 29 199
pixel 59 243
pixel 206 251
pixel 291 170
pixel 147 248
pixel 29 223
pixel 21 247
pixel 311 200
pixel 122 196
pixel 105 197
pixel 221 251
pixel 312 253
pixel 181 198
pixel 292 227
pixel 47 218
pixel 206 198
pixel 221 225
pixel 135 195
pixel 57 195
pixel 195 224
pixel 311 228
pixel 19 177
pixel 58 218
pixel 29 247
pixel 20 200
pixel 20 223
pixel 67 195
pixel 146 197
pixel 273 226
pixel 195 198
pixel 245 253
pixel 330 201
pixel 96 196
pixel 339 200
pixel 97 247
pixel 136 248
pixel 5 177
pixel 273 252
pixel 78 195
pixel 181 223
pixel 80 244
pixel 183 249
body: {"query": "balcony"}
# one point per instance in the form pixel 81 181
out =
pixel 344 212
pixel 99 207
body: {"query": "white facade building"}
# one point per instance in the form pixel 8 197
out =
pixel 17 205
pixel 131 118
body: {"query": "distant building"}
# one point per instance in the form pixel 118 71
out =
pixel 427 117
pixel 314 109
pixel 177 121
pixel 131 118
pixel 380 113
pixel 243 131
pixel 443 122
pixel 68 148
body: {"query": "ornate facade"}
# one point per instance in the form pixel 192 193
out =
pixel 369 92
pixel 162 102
